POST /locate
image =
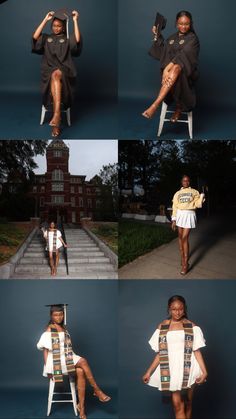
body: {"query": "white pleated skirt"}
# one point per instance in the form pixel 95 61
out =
pixel 186 218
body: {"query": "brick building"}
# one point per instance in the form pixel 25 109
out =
pixel 62 196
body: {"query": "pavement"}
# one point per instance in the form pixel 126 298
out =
pixel 212 254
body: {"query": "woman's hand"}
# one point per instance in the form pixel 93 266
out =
pixel 50 376
pixel 75 15
pixel 146 377
pixel 65 245
pixel 173 225
pixel 201 379
pixel 49 16
pixel 154 30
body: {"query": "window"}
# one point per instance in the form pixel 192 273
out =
pixel 57 199
pixel 42 179
pixel 98 190
pixel 34 189
pixel 58 187
pixel 89 203
pixel 81 214
pixel 81 202
pixel 42 189
pixel 42 201
pixel 57 153
pixel 72 189
pixel 88 191
pixel 57 174
pixel 72 201
pixel 80 189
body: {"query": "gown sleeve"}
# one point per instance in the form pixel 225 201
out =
pixel 38 45
pixel 45 342
pixel 198 338
pixel 58 234
pixel 197 200
pixel 154 341
pixel 75 47
pixel 187 56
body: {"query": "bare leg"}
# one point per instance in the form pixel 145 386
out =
pixel 185 243
pixel 57 260
pixel 189 403
pixel 165 89
pixel 56 95
pixel 89 375
pixel 178 405
pixel 181 249
pixel 51 262
pixel 81 386
pixel 177 113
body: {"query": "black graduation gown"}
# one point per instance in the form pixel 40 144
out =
pixel 182 50
pixel 57 53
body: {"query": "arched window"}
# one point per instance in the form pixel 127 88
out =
pixel 57 174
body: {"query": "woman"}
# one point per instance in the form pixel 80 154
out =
pixel 54 243
pixel 179 364
pixel 58 72
pixel 70 363
pixel 185 203
pixel 179 60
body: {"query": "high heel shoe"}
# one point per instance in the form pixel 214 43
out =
pixel 102 397
pixel 81 416
pixel 147 115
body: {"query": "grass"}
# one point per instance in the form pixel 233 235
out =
pixel 11 237
pixel 137 238
pixel 108 233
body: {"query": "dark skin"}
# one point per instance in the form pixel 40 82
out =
pixel 58 29
pixel 82 369
pixel 182 409
pixel 170 75
pixel 183 234
pixel 54 261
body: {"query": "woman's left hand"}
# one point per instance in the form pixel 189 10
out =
pixel 75 15
pixel 65 245
pixel 201 379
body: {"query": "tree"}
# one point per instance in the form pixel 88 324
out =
pixel 107 203
pixel 18 156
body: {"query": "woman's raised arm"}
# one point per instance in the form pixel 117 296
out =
pixel 75 15
pixel 39 29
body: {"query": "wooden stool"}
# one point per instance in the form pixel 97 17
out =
pixel 163 119
pixel 44 110
pixel 51 393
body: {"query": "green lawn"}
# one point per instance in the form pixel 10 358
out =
pixel 11 237
pixel 108 233
pixel 137 238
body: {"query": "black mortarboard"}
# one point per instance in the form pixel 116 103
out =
pixel 160 22
pixel 58 307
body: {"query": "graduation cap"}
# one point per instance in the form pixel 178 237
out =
pixel 160 22
pixel 58 307
pixel 63 15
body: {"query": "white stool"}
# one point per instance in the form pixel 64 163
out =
pixel 44 110
pixel 163 119
pixel 51 394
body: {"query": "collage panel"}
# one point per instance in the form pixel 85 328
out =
pixel 145 309
pixel 31 310
pixel 69 70
pixel 174 51
pixel 177 209
pixel 58 209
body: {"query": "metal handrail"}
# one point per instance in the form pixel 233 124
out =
pixel 65 249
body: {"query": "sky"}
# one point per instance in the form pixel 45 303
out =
pixel 86 156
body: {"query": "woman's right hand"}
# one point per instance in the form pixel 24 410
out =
pixel 173 225
pixel 49 16
pixel 146 377
pixel 154 30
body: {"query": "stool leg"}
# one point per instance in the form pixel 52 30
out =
pixel 50 395
pixel 73 395
pixel 43 112
pixel 68 117
pixel 190 124
pixel 162 117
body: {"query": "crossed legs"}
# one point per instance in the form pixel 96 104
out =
pixel 165 89
pixel 183 236
pixel 56 87
pixel 83 373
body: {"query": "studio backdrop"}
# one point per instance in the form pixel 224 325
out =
pixel 143 305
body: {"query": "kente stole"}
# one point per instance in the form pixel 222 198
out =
pixel 164 359
pixel 54 241
pixel 57 369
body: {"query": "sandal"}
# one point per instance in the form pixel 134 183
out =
pixel 102 397
pixel 176 115
pixel 148 115
pixel 81 416
pixel 56 131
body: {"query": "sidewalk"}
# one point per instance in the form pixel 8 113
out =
pixel 212 254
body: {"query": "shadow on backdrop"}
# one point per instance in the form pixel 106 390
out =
pixel 92 322
pixel 96 67
pixel 139 74
pixel 143 305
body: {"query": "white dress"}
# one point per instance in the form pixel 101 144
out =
pixel 175 342
pixel 186 218
pixel 48 235
pixel 45 342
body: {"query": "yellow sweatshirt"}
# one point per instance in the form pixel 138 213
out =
pixel 186 199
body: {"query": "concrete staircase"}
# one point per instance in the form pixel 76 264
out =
pixel 85 259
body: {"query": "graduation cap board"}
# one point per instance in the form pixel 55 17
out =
pixel 58 307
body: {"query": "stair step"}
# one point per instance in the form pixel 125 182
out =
pixel 62 269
